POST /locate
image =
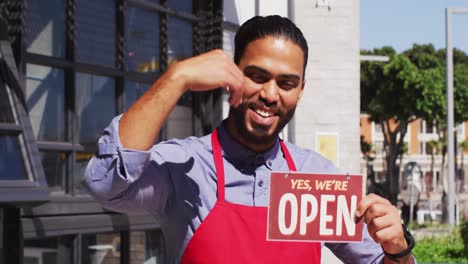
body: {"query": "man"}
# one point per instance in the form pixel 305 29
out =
pixel 210 194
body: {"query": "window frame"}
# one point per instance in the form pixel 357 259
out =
pixel 32 190
pixel 71 146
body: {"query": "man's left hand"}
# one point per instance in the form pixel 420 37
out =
pixel 383 222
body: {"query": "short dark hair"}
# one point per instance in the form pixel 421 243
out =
pixel 260 27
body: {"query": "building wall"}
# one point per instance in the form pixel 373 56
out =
pixel 366 128
pixel 466 132
pixel 330 104
pixel 414 147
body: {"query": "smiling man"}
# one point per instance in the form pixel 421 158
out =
pixel 210 193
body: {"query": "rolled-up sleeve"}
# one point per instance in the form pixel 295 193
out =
pixel 126 180
pixel 366 252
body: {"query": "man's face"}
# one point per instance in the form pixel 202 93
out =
pixel 274 83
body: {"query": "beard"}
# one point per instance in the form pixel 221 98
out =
pixel 259 134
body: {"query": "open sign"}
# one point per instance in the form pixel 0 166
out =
pixel 314 207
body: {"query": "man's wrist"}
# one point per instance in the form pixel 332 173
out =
pixel 406 253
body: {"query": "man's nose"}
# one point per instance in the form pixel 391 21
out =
pixel 269 92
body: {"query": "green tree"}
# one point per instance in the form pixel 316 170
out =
pixel 401 91
pixel 410 86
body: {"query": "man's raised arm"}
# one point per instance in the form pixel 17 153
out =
pixel 116 175
pixel 140 125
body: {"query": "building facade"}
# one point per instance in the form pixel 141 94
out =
pixel 80 63
pixel 433 174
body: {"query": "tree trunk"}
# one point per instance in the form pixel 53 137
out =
pixel 394 141
pixel 392 177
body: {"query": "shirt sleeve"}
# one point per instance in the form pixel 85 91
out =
pixel 127 180
pixel 366 252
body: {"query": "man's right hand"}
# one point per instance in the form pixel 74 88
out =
pixel 212 70
pixel 140 125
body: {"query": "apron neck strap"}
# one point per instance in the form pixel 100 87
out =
pixel 218 160
pixel 287 156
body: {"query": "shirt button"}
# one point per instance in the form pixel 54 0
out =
pixel 269 163
pixel 260 183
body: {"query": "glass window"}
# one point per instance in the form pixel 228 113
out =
pixel 82 159
pixel 141 40
pixel 95 104
pixel 179 39
pixel 45 30
pixel 180 5
pixel 11 162
pixel 6 115
pixel 45 98
pixel 146 247
pixel 55 167
pixel 55 250
pixel 96 32
pixel 429 149
pixel 101 248
pixel 378 127
pixel 133 91
pixel 429 128
pixel 179 122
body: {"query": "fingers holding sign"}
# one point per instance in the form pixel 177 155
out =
pixel 212 70
pixel 383 223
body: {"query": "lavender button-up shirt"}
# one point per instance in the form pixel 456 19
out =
pixel 175 181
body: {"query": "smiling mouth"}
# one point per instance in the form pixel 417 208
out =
pixel 263 113
pixel 262 116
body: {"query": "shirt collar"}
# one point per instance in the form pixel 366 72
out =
pixel 240 155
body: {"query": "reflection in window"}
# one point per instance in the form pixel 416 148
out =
pixel 146 247
pixel 45 31
pixel 11 161
pixel 180 5
pixel 179 39
pixel 6 115
pixel 133 91
pixel 179 122
pixel 141 40
pixel 101 248
pixel 45 98
pixel 96 31
pixel 95 96
pixel 55 164
pixel 82 160
pixel 56 250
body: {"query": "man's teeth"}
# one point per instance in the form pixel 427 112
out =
pixel 263 113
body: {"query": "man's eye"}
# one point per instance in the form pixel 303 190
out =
pixel 258 78
pixel 287 84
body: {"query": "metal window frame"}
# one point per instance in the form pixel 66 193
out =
pixel 70 67
pixel 33 190
pixel 204 13
pixel 78 213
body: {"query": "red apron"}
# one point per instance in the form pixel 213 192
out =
pixel 233 233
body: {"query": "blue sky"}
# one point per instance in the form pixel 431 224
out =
pixel 400 23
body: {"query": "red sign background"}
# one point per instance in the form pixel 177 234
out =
pixel 304 207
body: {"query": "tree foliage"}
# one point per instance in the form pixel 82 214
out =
pixel 409 86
